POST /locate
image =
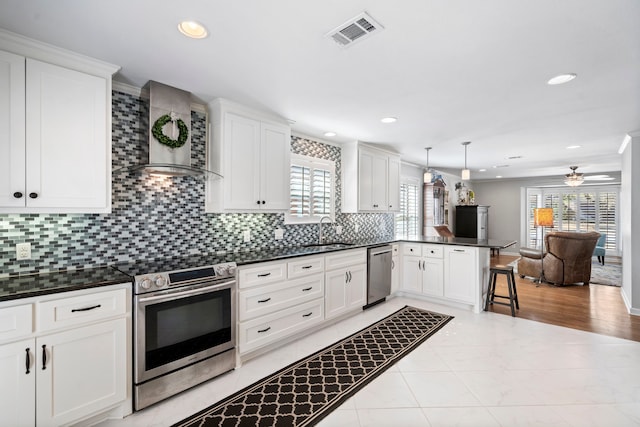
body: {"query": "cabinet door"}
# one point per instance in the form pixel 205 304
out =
pixel 365 183
pixel 12 122
pixel 18 386
pixel 393 184
pixel 356 288
pixel 241 147
pixel 432 277
pixel 460 273
pixel 275 166
pixel 68 149
pixel 412 274
pixel 335 293
pixel 395 274
pixel 379 183
pixel 85 372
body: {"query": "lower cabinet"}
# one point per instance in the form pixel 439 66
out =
pixel 69 373
pixel 447 272
pixel 345 282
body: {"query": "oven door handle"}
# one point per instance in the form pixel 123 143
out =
pixel 186 293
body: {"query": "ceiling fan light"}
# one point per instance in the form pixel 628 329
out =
pixel 573 179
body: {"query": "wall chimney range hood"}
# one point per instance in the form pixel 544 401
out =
pixel 169 144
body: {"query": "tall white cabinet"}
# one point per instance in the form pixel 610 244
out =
pixel 370 179
pixel 55 130
pixel 251 150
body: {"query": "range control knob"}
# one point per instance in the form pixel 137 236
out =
pixel 160 281
pixel 145 283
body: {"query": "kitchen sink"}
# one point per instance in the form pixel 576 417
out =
pixel 322 246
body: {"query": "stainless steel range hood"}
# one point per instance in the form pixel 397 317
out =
pixel 169 144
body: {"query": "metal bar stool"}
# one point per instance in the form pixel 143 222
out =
pixel 511 286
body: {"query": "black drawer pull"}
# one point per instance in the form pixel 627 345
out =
pixel 93 307
pixel 27 361
pixel 264 330
pixel 17 195
pixel 33 195
pixel 265 300
pixel 308 314
pixel 264 274
pixel 44 357
pixel 307 289
pixel 306 267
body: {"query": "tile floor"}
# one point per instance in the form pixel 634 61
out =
pixel 480 370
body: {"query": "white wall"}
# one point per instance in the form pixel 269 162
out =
pixel 630 225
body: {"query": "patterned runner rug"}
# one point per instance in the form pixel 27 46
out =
pixel 306 391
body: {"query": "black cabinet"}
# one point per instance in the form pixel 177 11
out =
pixel 472 221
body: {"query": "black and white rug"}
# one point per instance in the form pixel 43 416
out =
pixel 306 391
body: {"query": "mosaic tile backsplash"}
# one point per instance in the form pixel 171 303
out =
pixel 158 217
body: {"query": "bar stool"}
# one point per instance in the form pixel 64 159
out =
pixel 511 286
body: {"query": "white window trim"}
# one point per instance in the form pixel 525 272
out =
pixel 410 180
pixel 314 162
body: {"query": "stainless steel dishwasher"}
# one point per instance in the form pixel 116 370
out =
pixel 378 274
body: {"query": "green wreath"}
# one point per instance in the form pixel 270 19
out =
pixel 158 133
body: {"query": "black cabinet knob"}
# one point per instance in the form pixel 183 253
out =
pixel 17 195
pixel 263 202
pixel 258 202
pixel 33 195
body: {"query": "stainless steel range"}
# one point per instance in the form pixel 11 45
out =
pixel 183 325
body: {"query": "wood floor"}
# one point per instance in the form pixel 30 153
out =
pixel 593 308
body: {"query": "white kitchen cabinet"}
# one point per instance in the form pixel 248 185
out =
pixel 83 372
pixel 70 365
pixel 278 299
pixel 423 269
pixel 345 282
pixel 251 151
pixel 460 273
pixel 395 267
pixel 55 129
pixel 370 179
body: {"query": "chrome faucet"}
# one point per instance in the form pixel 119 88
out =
pixel 320 234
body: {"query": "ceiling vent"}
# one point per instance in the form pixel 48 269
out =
pixel 354 30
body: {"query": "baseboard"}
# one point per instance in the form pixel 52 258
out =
pixel 631 310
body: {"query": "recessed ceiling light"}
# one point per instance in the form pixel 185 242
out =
pixel 498 176
pixel 513 157
pixel 388 120
pixel 562 78
pixel 192 29
pixel 330 134
pixel 573 147
pixel 482 170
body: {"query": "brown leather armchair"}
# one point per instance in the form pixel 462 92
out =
pixel 567 258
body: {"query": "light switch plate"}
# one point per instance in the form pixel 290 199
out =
pixel 278 234
pixel 338 229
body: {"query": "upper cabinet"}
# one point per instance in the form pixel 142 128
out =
pixel 251 150
pixel 55 130
pixel 370 179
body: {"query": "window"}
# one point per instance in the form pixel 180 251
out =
pixel 587 209
pixel 408 219
pixel 312 189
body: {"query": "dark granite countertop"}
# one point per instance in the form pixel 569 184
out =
pixel 64 281
pixel 33 285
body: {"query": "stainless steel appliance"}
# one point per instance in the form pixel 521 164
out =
pixel 378 274
pixel 183 325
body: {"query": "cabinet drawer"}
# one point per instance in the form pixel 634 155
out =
pixel 305 266
pixel 269 299
pixel 345 258
pixel 432 251
pixel 16 322
pixel 75 311
pixel 412 249
pixel 261 274
pixel 267 329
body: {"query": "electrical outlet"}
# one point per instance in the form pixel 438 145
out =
pixel 357 228
pixel 23 251
pixel 246 235
pixel 278 234
pixel 338 229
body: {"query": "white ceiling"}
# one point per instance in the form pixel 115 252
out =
pixel 449 70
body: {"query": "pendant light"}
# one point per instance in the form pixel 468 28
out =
pixel 466 173
pixel 573 179
pixel 428 176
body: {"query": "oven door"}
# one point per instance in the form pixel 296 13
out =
pixel 177 327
